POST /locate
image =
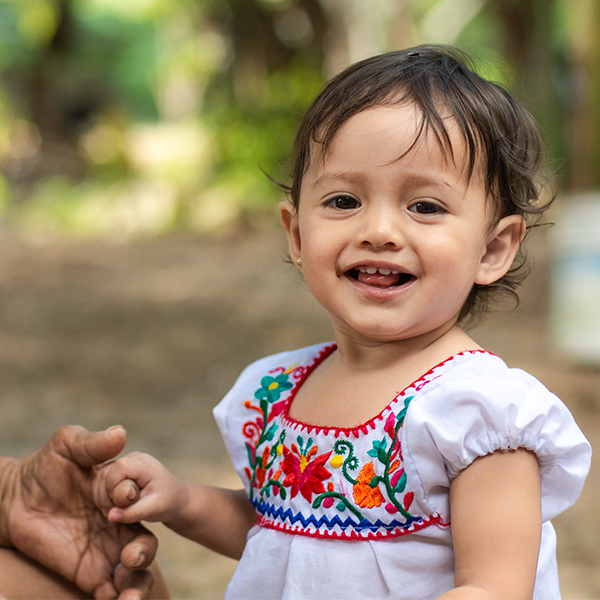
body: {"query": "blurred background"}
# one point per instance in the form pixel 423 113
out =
pixel 141 265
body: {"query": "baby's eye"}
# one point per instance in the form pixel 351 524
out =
pixel 425 207
pixel 343 202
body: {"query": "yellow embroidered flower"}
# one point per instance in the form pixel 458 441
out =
pixel 337 461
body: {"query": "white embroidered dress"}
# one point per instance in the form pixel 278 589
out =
pixel 364 512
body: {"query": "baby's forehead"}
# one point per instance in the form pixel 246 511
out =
pixel 405 130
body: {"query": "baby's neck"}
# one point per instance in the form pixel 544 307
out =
pixel 426 350
pixel 357 382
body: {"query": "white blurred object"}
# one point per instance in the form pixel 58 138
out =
pixel 575 279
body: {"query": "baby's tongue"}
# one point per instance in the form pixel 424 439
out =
pixel 378 280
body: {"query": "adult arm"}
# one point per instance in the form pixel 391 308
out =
pixel 495 508
pixel 48 513
pixel 22 577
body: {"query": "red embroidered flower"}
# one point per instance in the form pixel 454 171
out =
pixel 302 475
pixel 389 428
pixel 390 424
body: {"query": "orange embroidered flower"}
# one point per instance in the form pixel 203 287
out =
pixel 364 495
pixel 260 477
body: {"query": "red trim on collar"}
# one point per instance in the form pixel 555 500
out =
pixel 302 372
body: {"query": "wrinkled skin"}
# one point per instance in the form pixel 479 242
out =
pixel 47 512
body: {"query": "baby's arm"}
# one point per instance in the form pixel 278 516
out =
pixel 496 527
pixel 217 518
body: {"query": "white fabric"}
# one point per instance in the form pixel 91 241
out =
pixel 469 406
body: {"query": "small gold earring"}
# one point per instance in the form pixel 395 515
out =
pixel 299 261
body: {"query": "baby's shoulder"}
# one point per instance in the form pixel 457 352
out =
pixel 478 406
pixel 483 376
pixel 477 395
pixel 275 374
pixel 296 361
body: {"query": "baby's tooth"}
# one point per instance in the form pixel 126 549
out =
pixel 373 270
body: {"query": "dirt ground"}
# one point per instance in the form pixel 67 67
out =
pixel 151 334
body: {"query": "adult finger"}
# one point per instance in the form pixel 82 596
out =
pixel 140 547
pixel 88 448
pixel 133 585
pixel 125 493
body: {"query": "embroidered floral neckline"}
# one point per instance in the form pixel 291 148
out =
pixel 304 372
pixel 351 485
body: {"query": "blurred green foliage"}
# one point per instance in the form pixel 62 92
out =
pixel 127 117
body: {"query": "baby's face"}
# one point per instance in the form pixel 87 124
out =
pixel 392 237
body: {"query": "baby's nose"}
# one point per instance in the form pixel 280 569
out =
pixel 382 228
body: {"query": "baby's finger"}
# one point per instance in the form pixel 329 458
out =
pixel 125 493
pixel 134 466
pixel 101 493
pixel 126 515
pixel 142 510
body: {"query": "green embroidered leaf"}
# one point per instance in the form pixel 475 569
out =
pixel 300 441
pixel 401 483
pixel 378 450
pixel 282 493
pixel 264 406
pixel 271 433
pixel 374 482
pixel 402 413
pixel 250 457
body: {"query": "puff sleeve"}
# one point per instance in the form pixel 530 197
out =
pixel 473 412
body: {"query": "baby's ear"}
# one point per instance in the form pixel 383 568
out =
pixel 501 248
pixel 289 220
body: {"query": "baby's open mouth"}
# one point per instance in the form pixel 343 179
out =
pixel 380 277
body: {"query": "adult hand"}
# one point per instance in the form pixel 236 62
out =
pixel 47 512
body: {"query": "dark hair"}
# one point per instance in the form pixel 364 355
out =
pixel 500 136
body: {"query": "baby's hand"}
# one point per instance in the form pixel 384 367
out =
pixel 137 487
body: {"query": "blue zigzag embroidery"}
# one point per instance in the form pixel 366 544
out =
pixel 269 510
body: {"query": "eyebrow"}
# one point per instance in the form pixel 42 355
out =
pixel 418 180
pixel 349 177
pixel 412 179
